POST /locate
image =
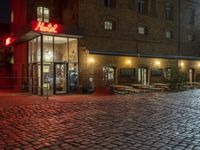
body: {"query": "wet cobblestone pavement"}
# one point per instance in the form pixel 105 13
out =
pixel 153 121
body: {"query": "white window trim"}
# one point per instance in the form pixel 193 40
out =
pixel 43 14
pixel 141 30
pixel 168 34
pixel 108 25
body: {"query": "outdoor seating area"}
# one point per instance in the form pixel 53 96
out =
pixel 153 87
pixel 139 88
pixel 193 85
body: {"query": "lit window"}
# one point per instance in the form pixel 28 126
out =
pixel 167 73
pixel 190 37
pixel 141 30
pixel 110 3
pixel 168 34
pixel 142 7
pixel 108 25
pixel 168 11
pixel 191 16
pixel 42 14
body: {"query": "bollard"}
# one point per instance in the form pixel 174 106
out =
pixel 47 95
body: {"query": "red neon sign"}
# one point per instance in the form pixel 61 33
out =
pixel 46 27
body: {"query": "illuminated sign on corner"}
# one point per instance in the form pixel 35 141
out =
pixel 8 41
pixel 46 27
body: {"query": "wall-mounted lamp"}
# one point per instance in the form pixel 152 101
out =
pixel 128 62
pixel 182 64
pixel 91 60
pixel 157 63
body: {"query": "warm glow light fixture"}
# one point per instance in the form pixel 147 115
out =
pixel 182 64
pixel 128 62
pixel 157 62
pixel 91 60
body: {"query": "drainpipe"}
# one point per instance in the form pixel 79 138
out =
pixel 179 30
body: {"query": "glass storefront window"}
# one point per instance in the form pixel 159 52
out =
pixel 34 50
pixel 73 77
pixel 73 50
pixel 48 48
pixel 29 51
pixel 108 75
pixel 60 49
pixel 59 73
pixel 60 78
pixel 48 78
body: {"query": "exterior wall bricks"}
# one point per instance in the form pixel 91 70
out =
pixel 91 14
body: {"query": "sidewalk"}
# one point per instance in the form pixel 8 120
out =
pixel 12 97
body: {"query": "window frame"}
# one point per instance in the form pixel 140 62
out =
pixel 144 32
pixel 190 37
pixel 109 25
pixel 43 14
pixel 191 16
pixel 168 11
pixel 110 3
pixel 171 34
pixel 141 6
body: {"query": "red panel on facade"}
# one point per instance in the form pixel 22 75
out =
pixel 20 66
pixel 19 10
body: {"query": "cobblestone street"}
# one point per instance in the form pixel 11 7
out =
pixel 142 122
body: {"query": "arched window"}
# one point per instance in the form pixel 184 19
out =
pixel 168 11
pixel 191 16
pixel 142 30
pixel 142 7
pixel 42 14
pixel 169 34
pixel 109 25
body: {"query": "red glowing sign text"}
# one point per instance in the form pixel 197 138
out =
pixel 46 27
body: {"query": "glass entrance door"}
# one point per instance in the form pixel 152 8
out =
pixel 143 75
pixel 36 79
pixel 60 78
pixel 191 75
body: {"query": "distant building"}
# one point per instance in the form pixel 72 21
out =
pixel 96 43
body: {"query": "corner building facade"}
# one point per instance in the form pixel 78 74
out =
pixel 97 43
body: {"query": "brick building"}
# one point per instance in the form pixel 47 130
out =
pixel 96 43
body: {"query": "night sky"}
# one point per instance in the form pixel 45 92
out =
pixel 4 11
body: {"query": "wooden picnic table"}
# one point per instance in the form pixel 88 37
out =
pixel 160 84
pixel 126 89
pixel 192 85
pixel 143 86
pixel 163 86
